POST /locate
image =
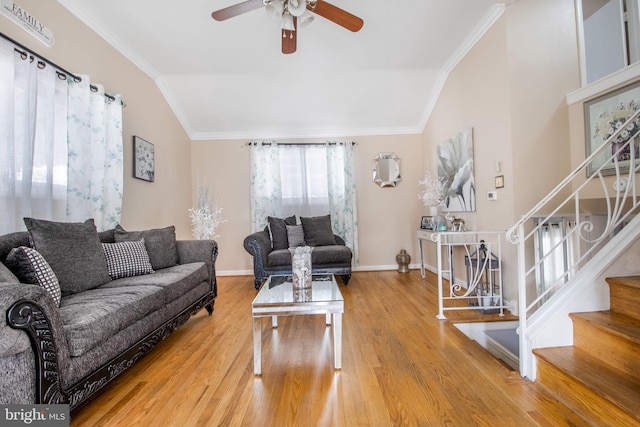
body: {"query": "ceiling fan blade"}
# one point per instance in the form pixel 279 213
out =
pixel 237 9
pixel 337 15
pixel 290 39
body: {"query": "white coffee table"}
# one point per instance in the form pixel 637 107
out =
pixel 278 298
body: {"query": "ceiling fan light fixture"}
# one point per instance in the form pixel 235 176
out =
pixel 305 19
pixel 287 22
pixel 275 9
pixel 296 7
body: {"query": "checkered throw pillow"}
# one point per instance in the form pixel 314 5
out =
pixel 29 266
pixel 126 259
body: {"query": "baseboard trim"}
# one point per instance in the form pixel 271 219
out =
pixel 222 273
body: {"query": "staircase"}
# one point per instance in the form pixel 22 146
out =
pixel 591 251
pixel 599 376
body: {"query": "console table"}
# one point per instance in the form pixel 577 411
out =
pixel 480 275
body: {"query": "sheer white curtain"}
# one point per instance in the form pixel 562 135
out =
pixel 39 141
pixel 554 260
pixel 95 168
pixel 33 145
pixel 303 175
pixel 305 180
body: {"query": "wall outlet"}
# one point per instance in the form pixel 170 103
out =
pixel 492 195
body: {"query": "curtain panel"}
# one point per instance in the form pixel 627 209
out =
pixel 95 163
pixel 49 129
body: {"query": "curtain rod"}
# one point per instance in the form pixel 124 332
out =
pixel 23 50
pixel 248 144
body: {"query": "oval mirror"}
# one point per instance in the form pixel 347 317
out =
pixel 386 170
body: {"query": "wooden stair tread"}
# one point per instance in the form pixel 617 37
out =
pixel 604 380
pixel 629 281
pixel 619 324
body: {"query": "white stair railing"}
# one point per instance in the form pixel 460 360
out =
pixel 584 236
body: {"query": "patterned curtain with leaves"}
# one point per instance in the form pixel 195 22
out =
pixel 342 194
pixel 95 168
pixel 266 188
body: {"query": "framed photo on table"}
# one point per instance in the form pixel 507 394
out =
pixel 602 117
pixel 143 159
pixel 427 223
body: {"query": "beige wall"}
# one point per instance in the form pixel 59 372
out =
pixel 510 88
pixel 81 51
pixel 387 217
pixel 543 69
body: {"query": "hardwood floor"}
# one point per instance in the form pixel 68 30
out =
pixel 400 367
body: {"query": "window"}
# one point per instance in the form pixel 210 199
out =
pixel 303 175
pixel 304 180
pixel 610 36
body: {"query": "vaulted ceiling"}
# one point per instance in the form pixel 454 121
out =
pixel 230 80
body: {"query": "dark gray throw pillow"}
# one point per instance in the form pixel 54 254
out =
pixel 278 230
pixel 295 235
pixel 160 244
pixel 73 251
pixel 318 231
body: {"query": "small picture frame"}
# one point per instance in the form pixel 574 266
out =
pixel 143 159
pixel 427 223
pixel 499 181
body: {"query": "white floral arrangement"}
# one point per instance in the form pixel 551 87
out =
pixel 433 192
pixel 206 216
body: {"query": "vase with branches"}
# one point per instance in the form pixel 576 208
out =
pixel 432 192
pixel 206 217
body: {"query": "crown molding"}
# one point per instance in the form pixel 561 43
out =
pixel 303 133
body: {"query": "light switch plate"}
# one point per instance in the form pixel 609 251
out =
pixel 492 195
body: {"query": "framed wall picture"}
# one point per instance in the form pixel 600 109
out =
pixel 455 172
pixel 143 159
pixel 427 223
pixel 602 117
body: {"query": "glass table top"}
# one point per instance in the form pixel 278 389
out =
pixel 278 290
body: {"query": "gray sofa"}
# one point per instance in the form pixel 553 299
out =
pixel 65 354
pixel 270 247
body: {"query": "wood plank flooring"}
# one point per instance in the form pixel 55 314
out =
pixel 400 367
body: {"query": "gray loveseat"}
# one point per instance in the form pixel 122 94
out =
pixel 270 247
pixel 64 354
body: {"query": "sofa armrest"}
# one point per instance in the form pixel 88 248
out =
pixel 197 251
pixel 30 314
pixel 200 251
pixel 258 244
pixel 13 341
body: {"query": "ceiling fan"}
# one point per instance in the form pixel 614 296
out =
pixel 292 14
